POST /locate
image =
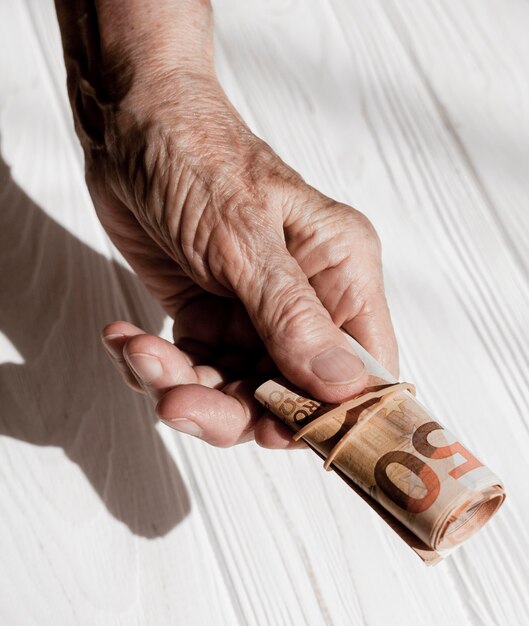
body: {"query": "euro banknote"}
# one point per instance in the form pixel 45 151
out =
pixel 423 481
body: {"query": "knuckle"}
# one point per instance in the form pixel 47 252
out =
pixel 354 225
pixel 297 316
pixel 364 227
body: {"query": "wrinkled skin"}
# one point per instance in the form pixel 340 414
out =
pixel 258 269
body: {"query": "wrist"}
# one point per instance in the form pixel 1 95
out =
pixel 154 44
pixel 127 59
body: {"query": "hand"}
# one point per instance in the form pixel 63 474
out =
pixel 249 261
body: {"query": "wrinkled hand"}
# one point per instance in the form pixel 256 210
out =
pixel 258 269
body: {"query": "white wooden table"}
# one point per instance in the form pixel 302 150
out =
pixel 415 112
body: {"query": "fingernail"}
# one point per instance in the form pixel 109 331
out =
pixel 338 365
pixel 113 350
pixel 185 426
pixel 146 367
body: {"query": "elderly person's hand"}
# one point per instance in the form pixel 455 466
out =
pixel 258 269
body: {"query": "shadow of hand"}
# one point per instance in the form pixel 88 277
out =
pixel 56 295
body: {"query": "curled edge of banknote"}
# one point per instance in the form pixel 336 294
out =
pixel 458 493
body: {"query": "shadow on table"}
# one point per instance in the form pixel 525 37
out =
pixel 56 295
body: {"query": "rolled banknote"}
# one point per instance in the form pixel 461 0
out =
pixel 387 446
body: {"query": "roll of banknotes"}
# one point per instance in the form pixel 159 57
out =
pixel 386 444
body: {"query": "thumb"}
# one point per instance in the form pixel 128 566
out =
pixel 297 330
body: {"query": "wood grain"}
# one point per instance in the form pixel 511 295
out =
pixel 416 113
